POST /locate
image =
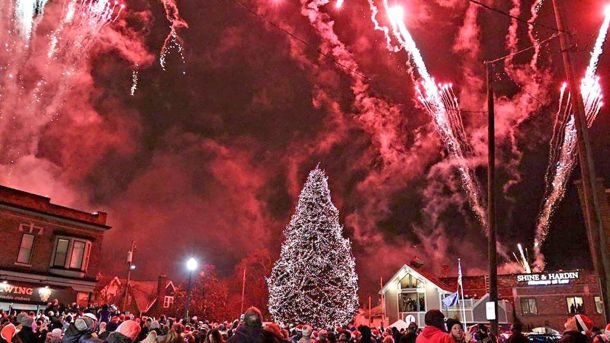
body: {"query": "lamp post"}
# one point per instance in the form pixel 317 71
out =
pixel 191 266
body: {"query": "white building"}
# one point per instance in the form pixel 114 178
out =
pixel 411 292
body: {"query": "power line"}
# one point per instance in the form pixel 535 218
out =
pixel 521 20
pixel 299 39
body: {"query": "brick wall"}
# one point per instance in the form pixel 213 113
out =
pixel 45 231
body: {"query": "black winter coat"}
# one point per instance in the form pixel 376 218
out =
pixel 573 337
pixel 244 334
pixel 116 337
pixel 72 335
pixel 27 335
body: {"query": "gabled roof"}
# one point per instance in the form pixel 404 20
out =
pixel 144 292
pixel 420 274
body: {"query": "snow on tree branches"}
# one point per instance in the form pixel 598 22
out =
pixel 314 281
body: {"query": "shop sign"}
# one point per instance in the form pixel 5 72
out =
pixel 548 279
pixel 20 292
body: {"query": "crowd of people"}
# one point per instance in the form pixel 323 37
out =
pixel 71 324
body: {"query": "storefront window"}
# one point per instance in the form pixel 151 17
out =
pixel 412 302
pixel 599 305
pixel 25 249
pixel 575 305
pixel 529 306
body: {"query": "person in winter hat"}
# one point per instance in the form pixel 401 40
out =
pixel 127 332
pixel 8 334
pixel 55 336
pixel 306 333
pixel 577 329
pixel 82 330
pixel 434 332
pixel 456 331
pixel 251 328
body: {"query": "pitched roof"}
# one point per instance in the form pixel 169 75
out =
pixel 420 273
pixel 144 292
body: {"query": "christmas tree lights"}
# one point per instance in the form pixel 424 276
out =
pixel 314 281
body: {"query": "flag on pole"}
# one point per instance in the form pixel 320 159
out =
pixel 451 299
pixel 460 274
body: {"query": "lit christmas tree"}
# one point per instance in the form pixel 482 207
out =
pixel 314 281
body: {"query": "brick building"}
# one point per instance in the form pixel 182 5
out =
pixel 536 300
pixel 544 299
pixel 49 251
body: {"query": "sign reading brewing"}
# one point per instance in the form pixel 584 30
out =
pixel 547 279
pixel 12 292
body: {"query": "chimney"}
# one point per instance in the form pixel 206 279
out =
pixel 161 286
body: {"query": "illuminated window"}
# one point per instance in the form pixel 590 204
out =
pixel 61 252
pixel 575 305
pixel 71 253
pixel 25 249
pixel 411 302
pixel 529 306
pixel 599 305
pixel 168 301
pixel 78 254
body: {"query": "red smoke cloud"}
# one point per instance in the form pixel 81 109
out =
pixel 210 163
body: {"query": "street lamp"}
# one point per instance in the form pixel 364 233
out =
pixel 191 266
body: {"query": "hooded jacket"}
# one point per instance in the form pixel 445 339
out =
pixel 431 334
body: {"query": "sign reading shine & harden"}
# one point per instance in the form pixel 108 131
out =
pixel 548 279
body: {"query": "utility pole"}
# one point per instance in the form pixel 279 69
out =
pixel 370 312
pixel 595 230
pixel 129 269
pixel 243 290
pixel 491 199
pixel 382 303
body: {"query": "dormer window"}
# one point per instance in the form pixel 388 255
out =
pixel 168 301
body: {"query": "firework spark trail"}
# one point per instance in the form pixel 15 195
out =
pixel 431 96
pixel 339 3
pixel 40 76
pixel 526 264
pixel 512 39
pixel 381 120
pixel 534 11
pixel 27 16
pixel 382 28
pixel 134 82
pixel 173 39
pixel 562 156
pixel 84 20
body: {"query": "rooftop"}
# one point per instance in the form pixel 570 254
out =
pixel 20 200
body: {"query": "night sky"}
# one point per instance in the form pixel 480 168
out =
pixel 208 157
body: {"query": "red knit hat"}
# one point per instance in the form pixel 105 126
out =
pixel 8 332
pixel 584 324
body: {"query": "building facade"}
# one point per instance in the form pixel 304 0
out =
pixel 49 251
pixel 412 291
pixel 144 297
pixel 536 300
